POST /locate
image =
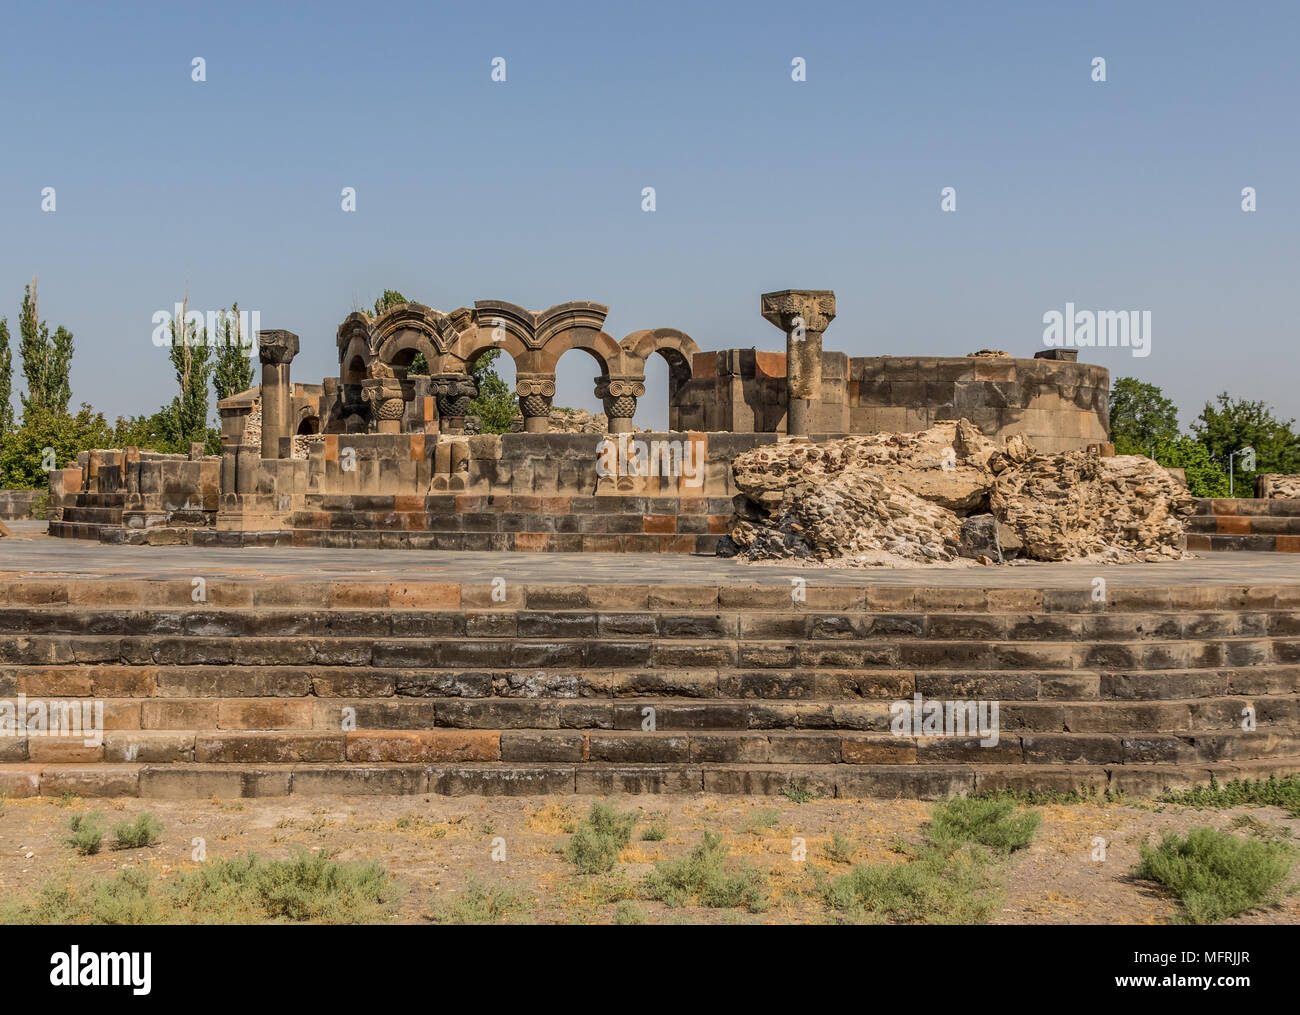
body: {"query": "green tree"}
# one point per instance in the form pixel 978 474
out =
pixel 23 453
pixel 155 433
pixel 390 298
pixel 1235 423
pixel 190 356
pixel 1140 417
pixel 6 380
pixel 233 370
pixel 1204 477
pixel 47 362
pixel 495 405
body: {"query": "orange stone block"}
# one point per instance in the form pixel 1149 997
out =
pixel 1287 544
pixel 424 745
pixel 659 524
pixel 770 363
pixel 387 745
pixel 62 750
pixel 719 524
pixel 359 595
pixel 1237 525
pixel 424 595
pixel 531 542
pixel 464 745
pixel 879 751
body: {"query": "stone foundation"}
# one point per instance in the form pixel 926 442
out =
pixel 301 686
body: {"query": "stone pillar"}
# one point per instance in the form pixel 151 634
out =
pixel 451 395
pixel 535 392
pixel 276 350
pixel 619 395
pixel 803 314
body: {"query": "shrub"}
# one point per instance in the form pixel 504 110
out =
pixel 1270 792
pixel 840 849
pixel 596 844
pixel 145 830
pixel 934 887
pixel 703 877
pixel 1215 875
pixel 480 904
pixel 248 890
pixel 988 821
pixel 87 834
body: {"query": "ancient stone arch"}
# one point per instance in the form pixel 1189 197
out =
pixel 308 421
pixel 676 347
pixel 380 349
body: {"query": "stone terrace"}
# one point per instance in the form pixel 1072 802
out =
pixel 543 687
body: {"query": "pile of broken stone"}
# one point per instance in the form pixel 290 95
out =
pixel 949 494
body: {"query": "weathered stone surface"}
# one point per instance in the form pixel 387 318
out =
pixel 949 491
pixel 1075 505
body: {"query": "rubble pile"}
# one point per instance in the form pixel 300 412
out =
pixel 946 493
pixel 1278 486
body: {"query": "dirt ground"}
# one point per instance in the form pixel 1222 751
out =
pixel 434 845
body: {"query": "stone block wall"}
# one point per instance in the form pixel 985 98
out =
pixel 133 490
pixel 1059 405
pixel 743 391
pixel 19 504
pixel 519 491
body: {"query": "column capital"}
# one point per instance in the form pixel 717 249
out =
pixel 276 347
pixel 815 306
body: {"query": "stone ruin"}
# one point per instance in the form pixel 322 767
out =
pixel 948 493
pixel 378 457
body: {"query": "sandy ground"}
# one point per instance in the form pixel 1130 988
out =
pixel 434 845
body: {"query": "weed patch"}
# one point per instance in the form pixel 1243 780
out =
pixel 1215 875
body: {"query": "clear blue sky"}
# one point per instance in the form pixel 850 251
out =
pixel 1115 195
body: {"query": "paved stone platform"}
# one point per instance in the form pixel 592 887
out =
pixel 32 553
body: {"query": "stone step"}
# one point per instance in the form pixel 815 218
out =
pixel 925 781
pixel 442 653
pixel 501 541
pixel 250 593
pixel 1248 506
pixel 165 715
pixel 466 689
pixel 802 747
pixel 74 530
pixel 1201 542
pixel 811 625
pixel 93 515
pixel 1245 525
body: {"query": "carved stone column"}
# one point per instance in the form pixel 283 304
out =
pixel 276 350
pixel 803 314
pixel 451 395
pixel 535 392
pixel 619 395
pixel 385 394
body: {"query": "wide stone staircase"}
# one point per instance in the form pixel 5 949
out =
pixel 250 687
pixel 1245 523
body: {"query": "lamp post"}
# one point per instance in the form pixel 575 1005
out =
pixel 1247 456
